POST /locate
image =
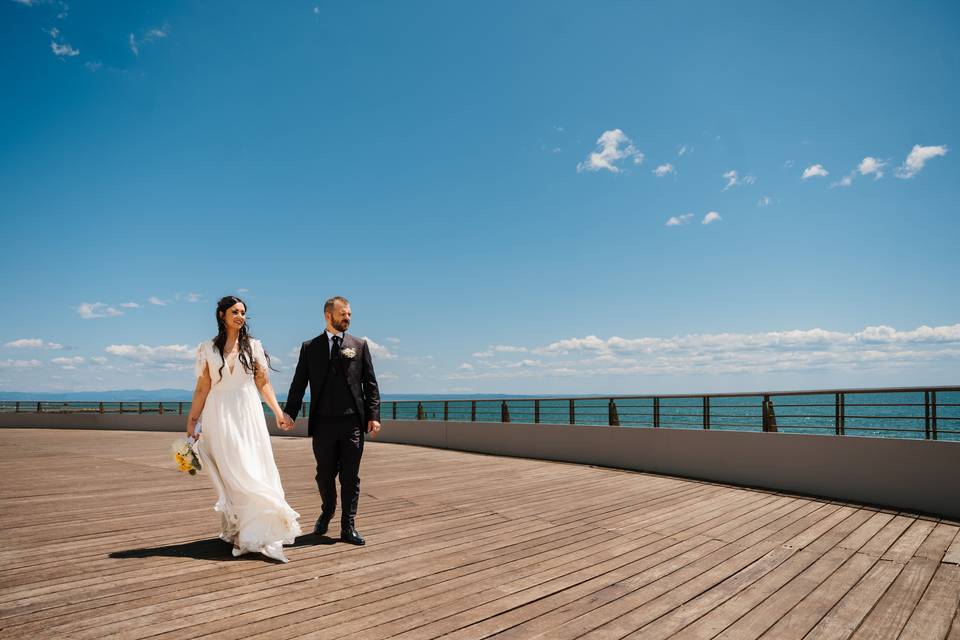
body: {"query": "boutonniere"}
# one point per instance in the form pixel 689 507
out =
pixel 349 353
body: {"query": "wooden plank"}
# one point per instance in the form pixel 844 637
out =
pixel 91 550
pixel 936 610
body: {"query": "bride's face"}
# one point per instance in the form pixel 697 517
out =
pixel 235 316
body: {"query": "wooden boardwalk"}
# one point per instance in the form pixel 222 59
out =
pixel 102 538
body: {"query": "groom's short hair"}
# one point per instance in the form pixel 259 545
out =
pixel 328 305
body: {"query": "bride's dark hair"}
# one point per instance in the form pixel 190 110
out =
pixel 243 342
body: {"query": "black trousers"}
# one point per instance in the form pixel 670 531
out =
pixel 338 447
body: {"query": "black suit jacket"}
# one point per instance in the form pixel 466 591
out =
pixel 312 367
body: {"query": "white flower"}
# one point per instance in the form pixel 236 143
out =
pixel 349 352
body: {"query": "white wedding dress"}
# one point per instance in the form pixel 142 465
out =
pixel 235 450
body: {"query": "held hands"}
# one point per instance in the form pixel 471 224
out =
pixel 373 427
pixel 285 422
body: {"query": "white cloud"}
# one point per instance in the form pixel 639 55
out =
pixel 735 180
pixel 98 360
pixel 727 353
pixel 157 301
pixel 711 216
pixel 683 150
pixel 483 354
pixel 765 201
pixel 68 363
pixel 466 366
pixel 243 290
pixel 379 350
pixel 28 3
pixel 20 364
pixel 193 297
pixel 63 50
pixel 917 159
pixel 813 171
pixel 33 343
pixel 845 181
pixel 872 165
pixel 664 170
pixel 90 310
pixel 393 340
pixel 93 66
pixel 151 35
pixel 147 354
pixel 129 305
pixel 676 221
pixel 788 164
pixel 612 147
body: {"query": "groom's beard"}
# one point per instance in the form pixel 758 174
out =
pixel 340 326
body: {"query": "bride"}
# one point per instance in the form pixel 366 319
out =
pixel 235 445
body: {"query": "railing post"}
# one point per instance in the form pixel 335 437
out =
pixel 843 414
pixel 120 410
pixel 139 407
pixel 180 408
pixel 100 407
pixel 39 408
pixel 446 410
pixel 836 413
pixel 473 411
pixel 613 418
pixel 17 409
pixel 933 415
pixel 769 417
pixel 573 414
pixel 926 415
pixel 504 412
pixel 395 409
pixel 706 412
pixel 420 414
pixel 656 413
pixel 536 412
pixel 161 408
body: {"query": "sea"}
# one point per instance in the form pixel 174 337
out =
pixel 910 415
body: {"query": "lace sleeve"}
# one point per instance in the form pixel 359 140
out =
pixel 201 362
pixel 259 356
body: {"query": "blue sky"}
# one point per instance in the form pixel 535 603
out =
pixel 491 184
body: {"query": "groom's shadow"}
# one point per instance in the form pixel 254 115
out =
pixel 211 549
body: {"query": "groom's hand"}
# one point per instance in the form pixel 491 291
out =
pixel 373 427
pixel 288 422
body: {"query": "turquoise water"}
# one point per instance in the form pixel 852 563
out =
pixel 883 415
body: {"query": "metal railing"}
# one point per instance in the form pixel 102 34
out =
pixel 931 413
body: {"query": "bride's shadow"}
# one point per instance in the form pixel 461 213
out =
pixel 211 549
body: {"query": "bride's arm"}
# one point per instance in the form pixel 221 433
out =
pixel 199 399
pixel 262 378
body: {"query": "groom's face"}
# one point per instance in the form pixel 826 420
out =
pixel 339 318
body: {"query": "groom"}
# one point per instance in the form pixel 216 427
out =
pixel 344 402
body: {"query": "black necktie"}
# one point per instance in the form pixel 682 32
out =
pixel 335 351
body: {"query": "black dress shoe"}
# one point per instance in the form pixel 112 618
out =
pixel 323 522
pixel 351 536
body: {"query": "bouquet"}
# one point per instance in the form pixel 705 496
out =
pixel 185 454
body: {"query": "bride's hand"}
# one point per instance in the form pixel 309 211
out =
pixel 281 422
pixel 192 427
